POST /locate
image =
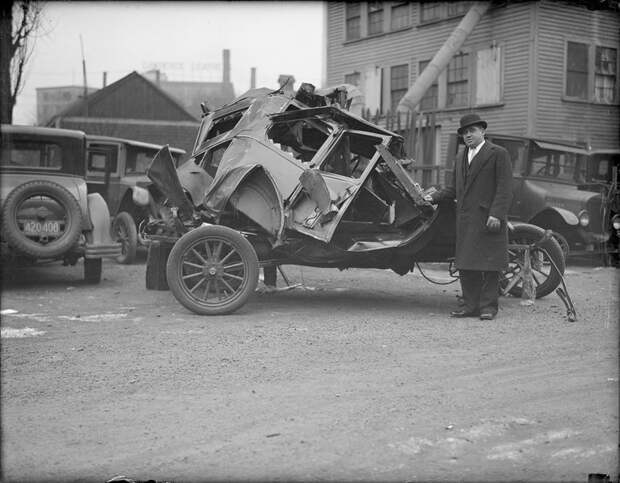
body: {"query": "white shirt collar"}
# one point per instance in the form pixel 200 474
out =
pixel 472 152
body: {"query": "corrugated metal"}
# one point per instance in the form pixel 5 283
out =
pixel 595 124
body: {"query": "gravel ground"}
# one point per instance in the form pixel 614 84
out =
pixel 357 375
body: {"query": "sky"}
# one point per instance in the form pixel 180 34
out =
pixel 185 39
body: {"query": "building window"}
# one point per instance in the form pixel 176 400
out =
pixel 399 83
pixel 577 70
pixel 429 101
pixel 458 81
pixel 430 11
pixel 353 21
pixel 457 8
pixel 605 69
pixel 353 79
pixel 400 16
pixel 375 18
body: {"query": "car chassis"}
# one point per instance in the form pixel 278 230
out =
pixel 295 179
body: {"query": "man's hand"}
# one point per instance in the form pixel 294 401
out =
pixel 493 224
pixel 429 199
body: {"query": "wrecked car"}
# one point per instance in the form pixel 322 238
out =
pixel 277 178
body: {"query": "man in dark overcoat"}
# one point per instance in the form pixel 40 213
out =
pixel 482 185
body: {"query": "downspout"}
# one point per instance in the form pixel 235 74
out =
pixel 442 58
pixel 532 101
pixel 324 44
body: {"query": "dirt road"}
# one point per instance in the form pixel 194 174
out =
pixel 356 375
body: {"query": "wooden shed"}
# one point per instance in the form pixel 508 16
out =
pixel 134 108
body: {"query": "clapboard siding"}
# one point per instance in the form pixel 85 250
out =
pixel 345 57
pixel 594 124
pixel 507 26
pixel 531 35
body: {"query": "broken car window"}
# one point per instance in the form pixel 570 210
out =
pixel 302 138
pixel 351 154
pixel 211 160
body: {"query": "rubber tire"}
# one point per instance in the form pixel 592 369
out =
pixel 129 244
pixel 563 242
pixel 92 270
pixel 532 234
pixel 20 242
pixel 174 269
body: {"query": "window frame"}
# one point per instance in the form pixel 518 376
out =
pixel 436 6
pixel 348 16
pixel 442 9
pixel 433 85
pixel 565 71
pixel 406 6
pixel 407 83
pixel 590 97
pixel 370 12
pixel 468 79
pixel 595 100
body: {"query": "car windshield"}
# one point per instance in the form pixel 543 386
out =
pixel 557 165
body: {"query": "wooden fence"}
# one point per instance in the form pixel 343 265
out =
pixel 419 133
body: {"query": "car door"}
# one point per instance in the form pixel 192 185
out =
pixel 103 171
pixel 330 185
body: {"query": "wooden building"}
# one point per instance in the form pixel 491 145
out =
pixel 133 108
pixel 544 69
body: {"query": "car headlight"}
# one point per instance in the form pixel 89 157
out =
pixel 140 196
pixel 615 221
pixel 584 218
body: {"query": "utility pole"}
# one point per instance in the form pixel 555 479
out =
pixel 84 78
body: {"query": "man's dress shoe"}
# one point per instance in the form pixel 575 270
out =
pixel 463 313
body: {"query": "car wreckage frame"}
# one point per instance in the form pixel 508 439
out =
pixel 278 179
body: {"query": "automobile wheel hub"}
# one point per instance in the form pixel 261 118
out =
pixel 212 270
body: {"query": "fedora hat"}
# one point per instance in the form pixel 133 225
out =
pixel 471 120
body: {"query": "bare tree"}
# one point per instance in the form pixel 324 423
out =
pixel 19 22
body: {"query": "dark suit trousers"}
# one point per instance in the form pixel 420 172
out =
pixel 480 290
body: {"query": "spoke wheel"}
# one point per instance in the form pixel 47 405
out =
pixel 212 270
pixel 124 231
pixel 546 275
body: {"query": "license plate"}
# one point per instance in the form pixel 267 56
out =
pixel 41 227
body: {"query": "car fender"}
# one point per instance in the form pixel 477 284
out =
pixel 99 242
pixel 252 191
pixel 568 216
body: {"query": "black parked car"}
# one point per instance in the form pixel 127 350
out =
pixel 47 213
